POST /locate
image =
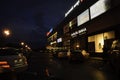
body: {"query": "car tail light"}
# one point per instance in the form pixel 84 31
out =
pixel 4 64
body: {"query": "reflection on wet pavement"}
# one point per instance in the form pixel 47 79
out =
pixel 63 70
pixel 90 70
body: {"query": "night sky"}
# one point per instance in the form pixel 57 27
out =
pixel 29 20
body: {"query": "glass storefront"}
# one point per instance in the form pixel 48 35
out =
pixel 96 42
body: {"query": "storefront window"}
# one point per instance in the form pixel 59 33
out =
pixel 109 35
pixel 97 41
pixel 91 39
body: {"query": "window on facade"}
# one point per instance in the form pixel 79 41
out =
pixel 66 28
pixel 98 40
pixel 91 39
pixel 73 23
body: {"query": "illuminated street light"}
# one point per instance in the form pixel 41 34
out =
pixel 6 32
pixel 29 48
pixel 26 46
pixel 22 43
pixel 77 46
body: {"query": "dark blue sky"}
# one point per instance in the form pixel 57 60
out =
pixel 29 20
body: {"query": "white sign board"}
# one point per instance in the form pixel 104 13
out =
pixel 99 7
pixel 83 17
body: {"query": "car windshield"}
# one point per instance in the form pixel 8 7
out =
pixel 6 52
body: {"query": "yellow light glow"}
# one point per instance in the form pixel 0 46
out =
pixel 7 32
pixel 77 46
pixel 70 24
pixel 22 43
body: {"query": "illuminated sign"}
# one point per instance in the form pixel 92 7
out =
pixel 53 42
pixel 49 31
pixel 81 31
pixel 99 7
pixel 83 17
pixel 71 9
pixel 59 40
pixel 74 34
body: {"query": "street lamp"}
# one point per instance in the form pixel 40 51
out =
pixel 22 43
pixel 26 46
pixel 6 32
pixel 77 45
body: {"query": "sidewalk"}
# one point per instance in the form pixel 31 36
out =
pixel 98 63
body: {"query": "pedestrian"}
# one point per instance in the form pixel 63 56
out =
pixel 105 53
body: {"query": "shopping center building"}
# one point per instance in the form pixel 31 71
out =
pixel 89 25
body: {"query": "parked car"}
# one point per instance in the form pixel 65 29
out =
pixel 78 56
pixel 114 57
pixel 11 59
pixel 62 54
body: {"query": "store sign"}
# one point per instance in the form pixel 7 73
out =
pixel 83 17
pixel 53 42
pixel 59 40
pixel 48 33
pixel 71 9
pixel 74 34
pixel 80 32
pixel 99 7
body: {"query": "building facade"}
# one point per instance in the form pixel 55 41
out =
pixel 90 25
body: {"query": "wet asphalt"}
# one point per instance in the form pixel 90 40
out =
pixel 43 66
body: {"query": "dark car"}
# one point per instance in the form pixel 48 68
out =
pixel 12 60
pixel 78 56
pixel 61 54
